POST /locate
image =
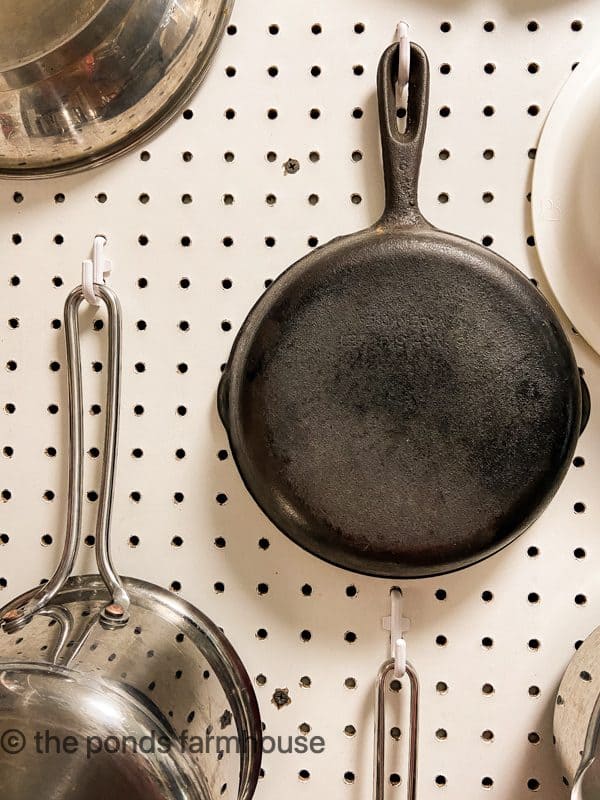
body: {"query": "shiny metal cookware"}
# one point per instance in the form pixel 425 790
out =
pixel 84 80
pixel 97 658
pixel 577 721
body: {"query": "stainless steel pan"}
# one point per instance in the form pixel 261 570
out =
pixel 126 669
pixel 82 81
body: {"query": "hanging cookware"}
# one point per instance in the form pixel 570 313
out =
pixel 577 721
pixel 402 402
pixel 152 697
pixel 82 81
pixel 564 196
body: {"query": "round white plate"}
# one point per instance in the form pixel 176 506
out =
pixel 566 199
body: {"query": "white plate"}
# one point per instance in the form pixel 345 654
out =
pixel 566 199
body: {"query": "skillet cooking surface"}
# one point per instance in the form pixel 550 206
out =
pixel 404 403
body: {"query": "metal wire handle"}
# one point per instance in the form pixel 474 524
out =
pixel 20 611
pixel 379 749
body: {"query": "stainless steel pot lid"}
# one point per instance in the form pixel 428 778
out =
pixel 82 81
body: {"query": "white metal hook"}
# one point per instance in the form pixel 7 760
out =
pixel 95 270
pixel 403 40
pixel 397 625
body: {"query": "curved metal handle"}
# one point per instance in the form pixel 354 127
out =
pixel 379 749
pixel 402 151
pixel 116 613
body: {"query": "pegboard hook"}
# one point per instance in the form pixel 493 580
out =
pixel 399 667
pixel 95 270
pixel 403 40
pixel 397 625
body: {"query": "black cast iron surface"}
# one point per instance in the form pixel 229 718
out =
pixel 402 402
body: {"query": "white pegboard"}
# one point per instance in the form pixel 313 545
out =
pixel 185 186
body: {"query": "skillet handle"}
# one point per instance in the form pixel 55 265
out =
pixel 402 151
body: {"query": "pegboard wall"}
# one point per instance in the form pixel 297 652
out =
pixel 279 152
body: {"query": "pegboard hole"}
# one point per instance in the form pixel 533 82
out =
pixel 446 26
pixel 444 154
pixel 305 635
pixel 441 687
pixel 261 680
pixel 487 782
pixel 533 551
pixel 440 780
pixel 395 779
pixel 487 197
pixel 350 730
pixel 350 637
pixel 487 642
pixel 304 775
pixel 316 29
pixel 533 691
pixel 350 683
pixel 441 734
pixel 349 777
pixel 487 689
pixel 445 111
pixel 533 26
pixel 533 67
pixel 533 784
pixel 487 596
pixel 445 69
pixel 177 541
pixel 357 112
pixel 533 597
pixel 579 508
pixel 441 640
pixel 306 590
pixel 580 599
pixel 8 451
pixel 489 25
pixel 219 588
pixel 578 461
pixel 46 540
pixel 314 156
pixel 264 544
pixel 487 735
pixel 358 69
pixel 134 541
pixel 579 552
pixel 305 682
pixel 357 155
pixel 585 675
pixel 576 25
pixel 533 737
pixel 534 644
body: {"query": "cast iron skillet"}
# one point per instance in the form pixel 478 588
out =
pixel 402 402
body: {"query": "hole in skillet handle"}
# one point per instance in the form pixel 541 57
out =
pixel 401 152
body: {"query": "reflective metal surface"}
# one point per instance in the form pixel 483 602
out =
pixel 84 80
pixel 577 721
pixel 116 666
pixel 379 772
pixel 170 670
